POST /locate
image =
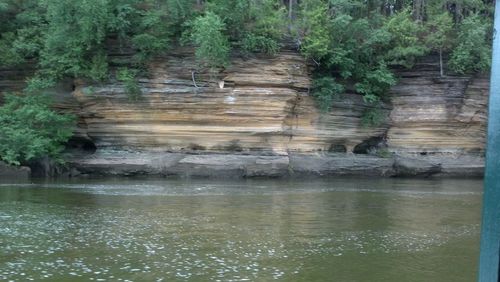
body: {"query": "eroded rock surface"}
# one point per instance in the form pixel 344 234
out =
pixel 10 173
pixel 438 115
pixel 263 122
pixel 264 106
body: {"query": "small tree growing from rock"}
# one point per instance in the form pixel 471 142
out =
pixel 211 44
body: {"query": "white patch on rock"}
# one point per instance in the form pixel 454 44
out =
pixel 229 99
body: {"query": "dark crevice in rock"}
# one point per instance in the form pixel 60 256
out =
pixel 80 145
pixel 337 148
pixel 369 145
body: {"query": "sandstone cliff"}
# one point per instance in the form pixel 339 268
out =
pixel 438 115
pixel 264 106
pixel 264 123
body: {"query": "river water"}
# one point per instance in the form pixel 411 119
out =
pixel 258 230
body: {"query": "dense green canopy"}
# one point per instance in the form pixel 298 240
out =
pixel 352 39
pixel 29 129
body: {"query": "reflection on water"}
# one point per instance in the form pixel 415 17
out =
pixel 157 230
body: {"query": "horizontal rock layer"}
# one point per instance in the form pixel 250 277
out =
pixel 263 122
pixel 264 106
pixel 231 165
pixel 438 115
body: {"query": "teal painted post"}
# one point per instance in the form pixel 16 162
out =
pixel 490 230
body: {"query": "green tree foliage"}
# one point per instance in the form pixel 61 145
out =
pixel 212 45
pixel 372 117
pixel 316 31
pixel 360 42
pixel 76 29
pixel 70 38
pixel 472 54
pixel 325 89
pixel 356 42
pixel 264 31
pixel 439 37
pixel 29 129
pixel 405 43
pixel 375 84
pixel 355 49
pixel 129 80
pixel 254 26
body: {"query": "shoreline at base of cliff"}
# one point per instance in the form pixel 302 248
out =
pixel 290 165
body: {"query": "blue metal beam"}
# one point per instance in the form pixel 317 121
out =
pixel 490 230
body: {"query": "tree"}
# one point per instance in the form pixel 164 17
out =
pixel 472 53
pixel 405 43
pixel 75 31
pixel 439 29
pixel 265 28
pixel 211 44
pixel 29 129
pixel 316 34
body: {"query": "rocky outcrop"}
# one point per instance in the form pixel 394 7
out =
pixel 256 118
pixel 235 165
pixel 228 165
pixel 438 115
pixel 11 173
pixel 264 106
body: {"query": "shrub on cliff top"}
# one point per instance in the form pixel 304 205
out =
pixel 211 44
pixel 30 129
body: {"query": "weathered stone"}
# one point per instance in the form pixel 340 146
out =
pixel 10 173
pixel 340 164
pixel 183 165
pixel 404 166
pixel 438 115
pixel 263 106
pixel 263 122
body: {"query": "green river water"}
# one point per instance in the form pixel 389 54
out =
pixel 258 230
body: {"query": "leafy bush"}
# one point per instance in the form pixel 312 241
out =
pixel 405 43
pixel 212 45
pixel 259 43
pixel 128 77
pixel 29 129
pixel 37 84
pixel 98 69
pixel 324 90
pixel 375 84
pixel 372 117
pixel 473 51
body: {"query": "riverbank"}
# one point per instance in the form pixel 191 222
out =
pixel 265 123
pixel 233 166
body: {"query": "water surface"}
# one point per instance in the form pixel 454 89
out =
pixel 259 230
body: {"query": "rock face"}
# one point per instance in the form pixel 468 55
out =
pixel 263 106
pixel 256 119
pixel 434 115
pixel 10 173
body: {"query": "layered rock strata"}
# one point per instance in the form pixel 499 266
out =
pixel 256 118
pixel 263 106
pixel 438 115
